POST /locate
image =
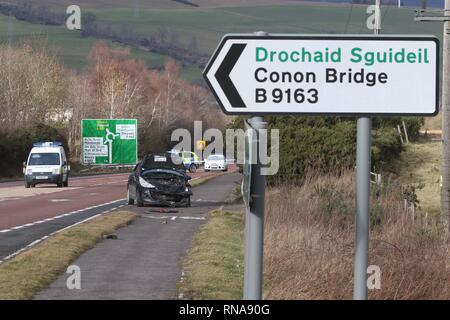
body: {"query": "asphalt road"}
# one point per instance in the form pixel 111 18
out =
pixel 145 262
pixel 28 215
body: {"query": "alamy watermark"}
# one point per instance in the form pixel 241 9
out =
pixel 257 145
pixel 374 20
pixel 73 282
pixel 73 21
pixel 374 278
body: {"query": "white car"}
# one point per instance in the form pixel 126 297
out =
pixel 216 162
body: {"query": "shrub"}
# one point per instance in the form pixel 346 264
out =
pixel 326 145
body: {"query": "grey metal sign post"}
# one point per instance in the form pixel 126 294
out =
pixel 363 143
pixel 254 221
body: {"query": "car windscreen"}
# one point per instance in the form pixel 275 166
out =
pixel 163 161
pixel 44 159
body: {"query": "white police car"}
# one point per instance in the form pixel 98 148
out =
pixel 47 163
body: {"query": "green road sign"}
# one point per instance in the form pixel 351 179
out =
pixel 109 141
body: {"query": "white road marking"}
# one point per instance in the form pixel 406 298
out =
pixel 192 218
pixel 157 218
pixel 60 200
pixel 44 238
pixel 173 217
pixel 60 216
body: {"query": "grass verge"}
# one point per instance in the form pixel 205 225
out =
pixel 214 265
pixel 202 180
pixel 420 165
pixel 29 272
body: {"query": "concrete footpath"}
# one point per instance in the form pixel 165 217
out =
pixel 145 262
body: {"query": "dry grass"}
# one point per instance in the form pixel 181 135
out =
pixel 420 164
pixel 31 271
pixel 434 123
pixel 310 240
pixel 214 265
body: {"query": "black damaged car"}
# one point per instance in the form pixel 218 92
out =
pixel 159 179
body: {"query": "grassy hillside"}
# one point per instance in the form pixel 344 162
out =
pixel 71 48
pixel 153 4
pixel 208 24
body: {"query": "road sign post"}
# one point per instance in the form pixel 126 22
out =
pixel 339 75
pixel 363 143
pixel 254 220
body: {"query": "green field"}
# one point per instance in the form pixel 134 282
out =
pixel 209 24
pixel 71 48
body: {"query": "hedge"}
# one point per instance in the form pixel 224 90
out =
pixel 328 144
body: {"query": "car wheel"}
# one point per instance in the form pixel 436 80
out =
pixel 59 184
pixel 139 202
pixel 130 201
pixel 193 168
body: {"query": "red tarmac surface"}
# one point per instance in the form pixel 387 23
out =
pixel 20 206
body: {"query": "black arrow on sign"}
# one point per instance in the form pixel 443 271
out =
pixel 223 75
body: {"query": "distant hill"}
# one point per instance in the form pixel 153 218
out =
pixel 189 34
pixel 408 3
pixel 152 4
pixel 179 4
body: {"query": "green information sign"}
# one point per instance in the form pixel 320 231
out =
pixel 109 141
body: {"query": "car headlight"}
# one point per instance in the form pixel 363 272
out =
pixel 56 171
pixel 29 172
pixel 145 184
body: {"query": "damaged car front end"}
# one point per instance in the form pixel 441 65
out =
pixel 160 181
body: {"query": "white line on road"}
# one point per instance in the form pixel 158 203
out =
pixel 157 218
pixel 173 217
pixel 59 216
pixel 193 218
pixel 44 238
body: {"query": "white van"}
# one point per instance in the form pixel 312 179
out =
pixel 47 163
